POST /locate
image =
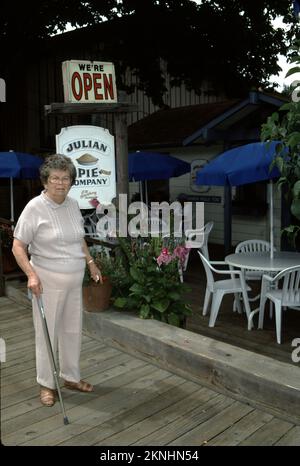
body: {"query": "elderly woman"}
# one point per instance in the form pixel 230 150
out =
pixel 51 228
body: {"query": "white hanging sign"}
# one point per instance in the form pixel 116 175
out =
pixel 92 151
pixel 87 81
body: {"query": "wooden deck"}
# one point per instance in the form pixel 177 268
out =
pixel 134 403
pixel 230 326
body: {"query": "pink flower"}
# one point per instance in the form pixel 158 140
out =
pixel 165 257
pixel 181 252
pixel 94 202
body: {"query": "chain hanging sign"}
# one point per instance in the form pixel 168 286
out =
pixel 92 151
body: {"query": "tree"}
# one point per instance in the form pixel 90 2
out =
pixel 284 126
pixel 230 43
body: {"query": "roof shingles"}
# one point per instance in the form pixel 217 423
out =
pixel 169 127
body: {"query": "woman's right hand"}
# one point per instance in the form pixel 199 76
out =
pixel 34 284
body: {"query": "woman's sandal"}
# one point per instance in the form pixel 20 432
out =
pixel 47 396
pixel 81 386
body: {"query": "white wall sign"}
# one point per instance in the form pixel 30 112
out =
pixel 92 151
pixel 195 166
pixel 87 81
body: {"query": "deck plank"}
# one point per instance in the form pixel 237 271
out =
pixel 100 407
pixel 205 431
pixel 161 425
pixel 268 434
pixel 121 423
pixel 181 426
pixel 242 429
pixel 291 438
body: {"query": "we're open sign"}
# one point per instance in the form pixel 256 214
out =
pixel 89 82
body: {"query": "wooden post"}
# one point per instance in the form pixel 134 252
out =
pixel 227 218
pixel 121 145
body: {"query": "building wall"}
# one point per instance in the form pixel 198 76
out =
pixel 175 96
pixel 243 227
pixel 24 126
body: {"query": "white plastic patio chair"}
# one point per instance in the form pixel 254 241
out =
pixel 217 289
pixel 288 295
pixel 196 239
pixel 255 246
pixel 90 223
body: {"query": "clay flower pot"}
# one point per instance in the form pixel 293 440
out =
pixel 96 297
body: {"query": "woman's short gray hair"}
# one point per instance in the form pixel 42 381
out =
pixel 57 162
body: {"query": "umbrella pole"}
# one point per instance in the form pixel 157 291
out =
pixel 141 191
pixel 146 192
pixel 271 221
pixel 12 214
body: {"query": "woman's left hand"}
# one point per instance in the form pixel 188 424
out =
pixel 95 273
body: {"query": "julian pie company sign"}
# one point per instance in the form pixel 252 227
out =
pixel 86 81
pixel 92 151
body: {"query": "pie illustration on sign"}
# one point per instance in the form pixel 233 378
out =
pixel 87 159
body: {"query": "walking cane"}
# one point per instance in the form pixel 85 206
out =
pixel 50 352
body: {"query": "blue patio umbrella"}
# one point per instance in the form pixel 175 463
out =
pixel 242 165
pixel 18 165
pixel 155 166
pixel 143 166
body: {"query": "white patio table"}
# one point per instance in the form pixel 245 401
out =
pixel 262 261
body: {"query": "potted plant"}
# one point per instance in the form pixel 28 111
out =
pixel 97 296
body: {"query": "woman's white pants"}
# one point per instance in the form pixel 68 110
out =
pixel 62 299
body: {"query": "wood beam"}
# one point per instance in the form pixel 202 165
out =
pixel 79 109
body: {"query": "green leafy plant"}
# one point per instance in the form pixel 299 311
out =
pixel 284 126
pixel 155 290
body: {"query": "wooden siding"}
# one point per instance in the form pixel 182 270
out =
pixel 175 96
